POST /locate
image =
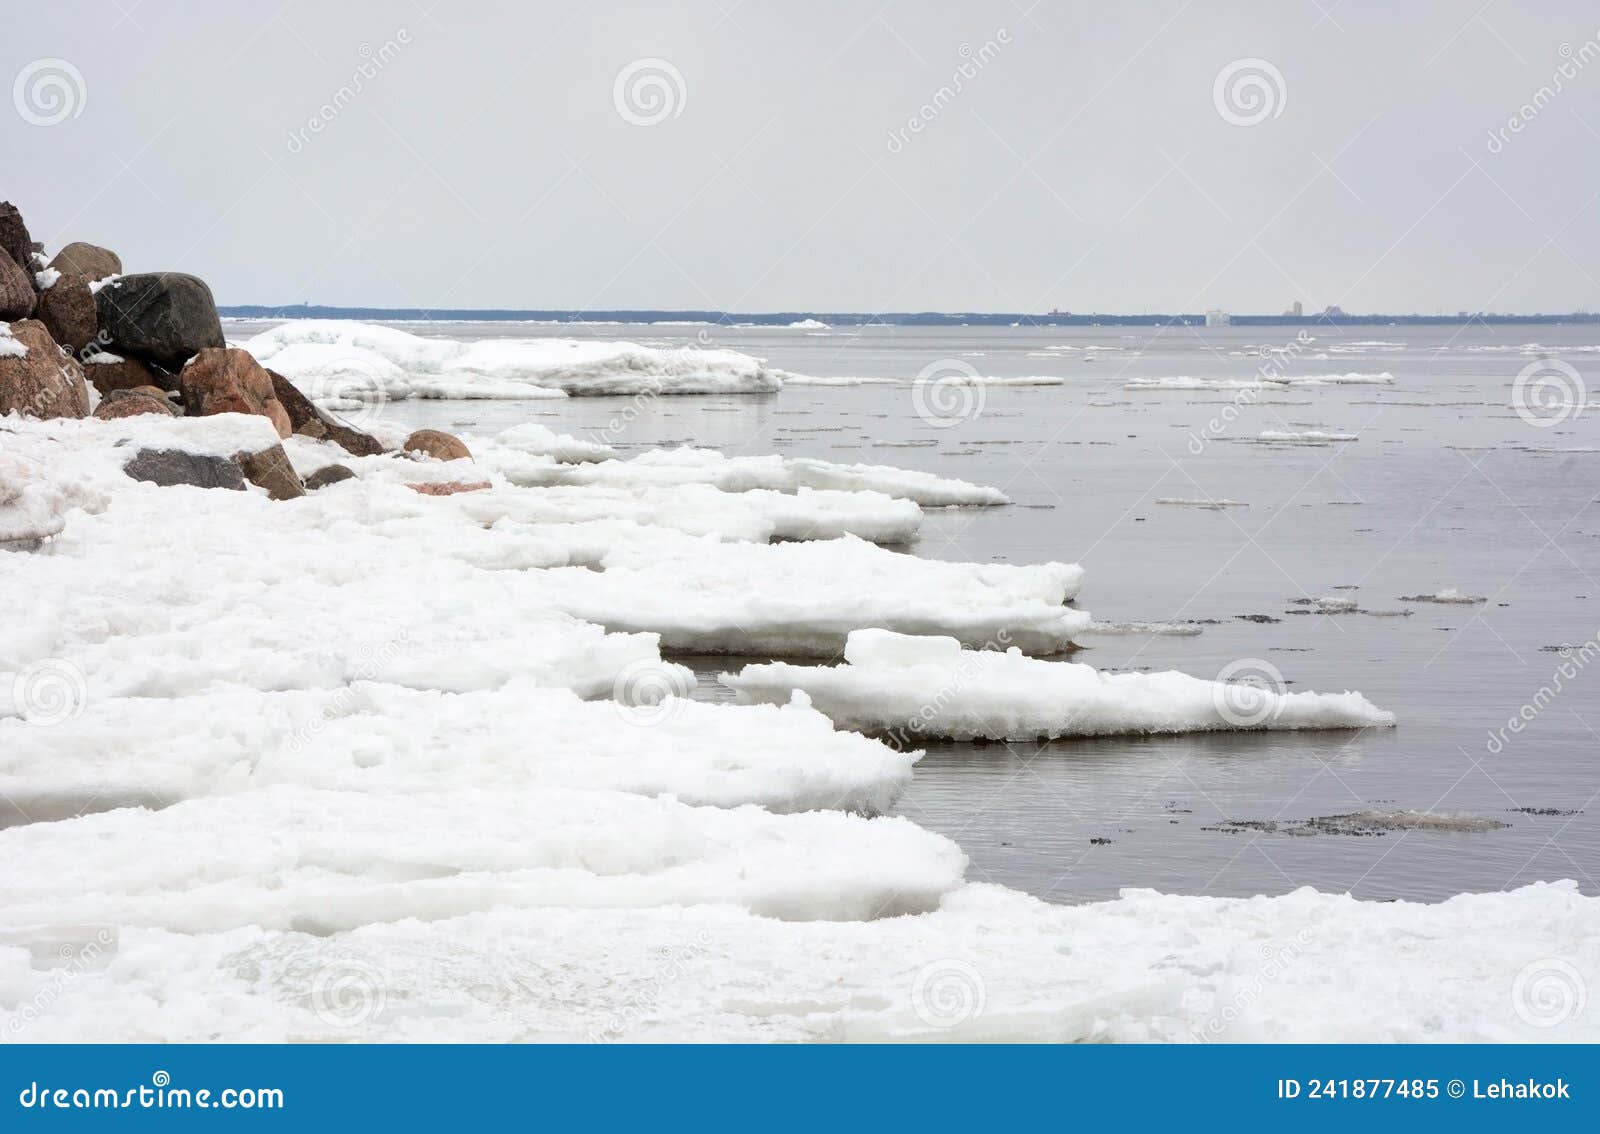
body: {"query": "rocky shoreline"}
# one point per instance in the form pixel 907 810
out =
pixel 78 338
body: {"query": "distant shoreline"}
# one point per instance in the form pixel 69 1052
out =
pixel 894 319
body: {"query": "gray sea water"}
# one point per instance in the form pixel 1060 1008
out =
pixel 1446 485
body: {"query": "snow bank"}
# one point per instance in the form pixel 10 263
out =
pixel 348 359
pixel 916 687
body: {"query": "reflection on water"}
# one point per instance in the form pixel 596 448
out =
pixel 1446 487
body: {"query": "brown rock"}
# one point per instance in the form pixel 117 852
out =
pixel 131 403
pixel 449 487
pixel 229 380
pixel 439 445
pixel 67 309
pixel 123 374
pixel 15 242
pixel 44 382
pixel 270 469
pixel 329 474
pixel 87 260
pixel 17 296
pixel 309 421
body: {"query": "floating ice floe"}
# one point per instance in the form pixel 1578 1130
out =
pixel 1449 595
pixel 946 378
pixel 1184 382
pixel 913 687
pixel 364 361
pixel 1202 502
pixel 1303 437
pixel 669 467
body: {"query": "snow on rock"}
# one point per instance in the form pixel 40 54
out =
pixel 10 345
pixel 914 687
pixel 670 467
pixel 802 599
pixel 362 359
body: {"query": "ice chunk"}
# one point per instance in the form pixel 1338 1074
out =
pixel 964 694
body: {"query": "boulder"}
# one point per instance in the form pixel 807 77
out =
pixel 110 372
pixel 270 469
pixel 309 421
pixel 87 260
pixel 131 403
pixel 42 381
pixel 439 445
pixel 162 317
pixel 15 241
pixel 230 380
pixel 17 296
pixel 449 487
pixel 168 467
pixel 330 474
pixel 67 309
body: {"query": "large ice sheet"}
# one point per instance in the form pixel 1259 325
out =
pixel 988 965
pixel 369 736
pixel 673 467
pixel 803 599
pixel 913 687
pixel 290 857
pixel 340 359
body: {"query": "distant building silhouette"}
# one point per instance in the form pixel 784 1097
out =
pixel 1216 317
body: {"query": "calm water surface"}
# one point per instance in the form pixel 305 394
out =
pixel 1446 486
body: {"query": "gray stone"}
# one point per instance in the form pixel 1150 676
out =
pixel 162 317
pixel 168 467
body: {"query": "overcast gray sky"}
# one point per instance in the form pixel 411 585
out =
pixel 1088 161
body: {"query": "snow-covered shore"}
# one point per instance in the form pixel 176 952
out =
pixel 378 764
